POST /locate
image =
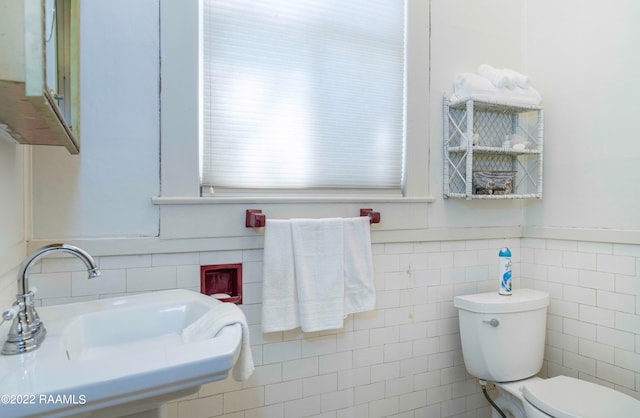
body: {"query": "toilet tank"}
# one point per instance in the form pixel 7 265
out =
pixel 503 336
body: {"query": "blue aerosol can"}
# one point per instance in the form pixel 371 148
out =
pixel 504 267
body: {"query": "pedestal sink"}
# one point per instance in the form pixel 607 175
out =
pixel 124 356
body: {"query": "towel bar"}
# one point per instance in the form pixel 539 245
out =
pixel 254 218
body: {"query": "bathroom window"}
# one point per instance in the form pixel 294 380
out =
pixel 302 95
pixel 182 101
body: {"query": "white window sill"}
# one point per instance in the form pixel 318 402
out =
pixel 220 200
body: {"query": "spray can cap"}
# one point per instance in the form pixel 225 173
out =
pixel 504 252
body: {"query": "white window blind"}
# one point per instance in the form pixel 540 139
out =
pixel 301 94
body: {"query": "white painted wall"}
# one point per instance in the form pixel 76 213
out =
pixel 12 160
pixel 580 57
pixel 12 40
pixel 11 186
pixel 585 76
pixel 464 35
pixel 106 190
pixel 583 58
pixel 12 217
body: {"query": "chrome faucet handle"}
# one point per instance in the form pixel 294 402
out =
pixel 10 313
pixel 26 331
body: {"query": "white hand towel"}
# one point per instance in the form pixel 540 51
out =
pixel 318 250
pixel 212 322
pixel 497 77
pixel 279 293
pixel 359 289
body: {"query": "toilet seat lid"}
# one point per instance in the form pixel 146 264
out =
pixel 566 397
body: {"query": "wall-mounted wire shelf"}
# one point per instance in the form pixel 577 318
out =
pixel 492 137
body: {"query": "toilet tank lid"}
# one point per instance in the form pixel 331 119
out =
pixel 491 302
pixel 566 397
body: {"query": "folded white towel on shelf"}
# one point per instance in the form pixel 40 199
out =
pixel 211 323
pixel 316 271
pixel 505 77
pixel 360 293
pixel 318 253
pixel 498 78
pixel 279 293
pixel 470 85
pixel 517 79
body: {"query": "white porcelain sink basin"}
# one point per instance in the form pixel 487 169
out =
pixel 115 357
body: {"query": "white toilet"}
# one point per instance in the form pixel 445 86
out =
pixel 503 342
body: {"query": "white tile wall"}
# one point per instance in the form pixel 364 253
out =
pixel 593 326
pixel 403 359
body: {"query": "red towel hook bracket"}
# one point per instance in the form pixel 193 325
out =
pixel 255 218
pixel 374 217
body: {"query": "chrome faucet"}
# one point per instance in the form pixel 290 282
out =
pixel 27 331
